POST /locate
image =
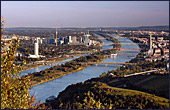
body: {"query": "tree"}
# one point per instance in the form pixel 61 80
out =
pixel 14 91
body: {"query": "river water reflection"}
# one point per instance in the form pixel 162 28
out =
pixel 43 91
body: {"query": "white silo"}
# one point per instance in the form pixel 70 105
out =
pixel 36 47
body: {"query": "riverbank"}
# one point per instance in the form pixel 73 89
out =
pixel 61 75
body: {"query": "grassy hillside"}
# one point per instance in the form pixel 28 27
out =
pixel 98 95
pixel 157 84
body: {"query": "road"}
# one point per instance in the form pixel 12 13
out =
pixel 155 70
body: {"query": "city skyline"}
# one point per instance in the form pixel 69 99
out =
pixel 85 13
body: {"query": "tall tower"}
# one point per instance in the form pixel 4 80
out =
pixel 150 51
pixel 56 36
pixel 69 39
pixel 36 47
pixel 150 42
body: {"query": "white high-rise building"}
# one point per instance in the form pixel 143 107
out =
pixel 69 39
pixel 36 47
pixel 150 42
pixel 150 51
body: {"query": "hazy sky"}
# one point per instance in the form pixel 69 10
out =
pixel 84 13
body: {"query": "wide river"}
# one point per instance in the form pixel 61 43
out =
pixel 54 87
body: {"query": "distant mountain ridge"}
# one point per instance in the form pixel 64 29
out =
pixel 154 26
pixel 27 27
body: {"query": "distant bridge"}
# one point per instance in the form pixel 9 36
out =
pixel 123 43
pixel 114 37
pixel 125 48
pixel 120 55
pixel 106 63
pixel 128 52
pixel 50 62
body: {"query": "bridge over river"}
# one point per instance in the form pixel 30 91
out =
pixel 91 63
pixel 105 44
pixel 124 48
pixel 106 63
pixel 115 37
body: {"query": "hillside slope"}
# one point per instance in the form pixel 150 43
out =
pixel 98 95
pixel 157 84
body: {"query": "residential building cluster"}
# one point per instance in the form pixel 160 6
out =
pixel 162 33
pixel 158 48
pixel 10 37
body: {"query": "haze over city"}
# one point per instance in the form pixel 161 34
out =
pixel 85 13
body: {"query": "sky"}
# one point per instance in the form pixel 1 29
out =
pixel 85 13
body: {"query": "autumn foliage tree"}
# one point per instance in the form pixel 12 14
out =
pixel 14 91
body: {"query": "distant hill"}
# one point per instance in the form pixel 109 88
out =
pixel 44 32
pixel 140 27
pixel 98 95
pixel 153 27
pixel 157 84
pixel 28 28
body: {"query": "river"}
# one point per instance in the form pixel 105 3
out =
pixel 45 90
